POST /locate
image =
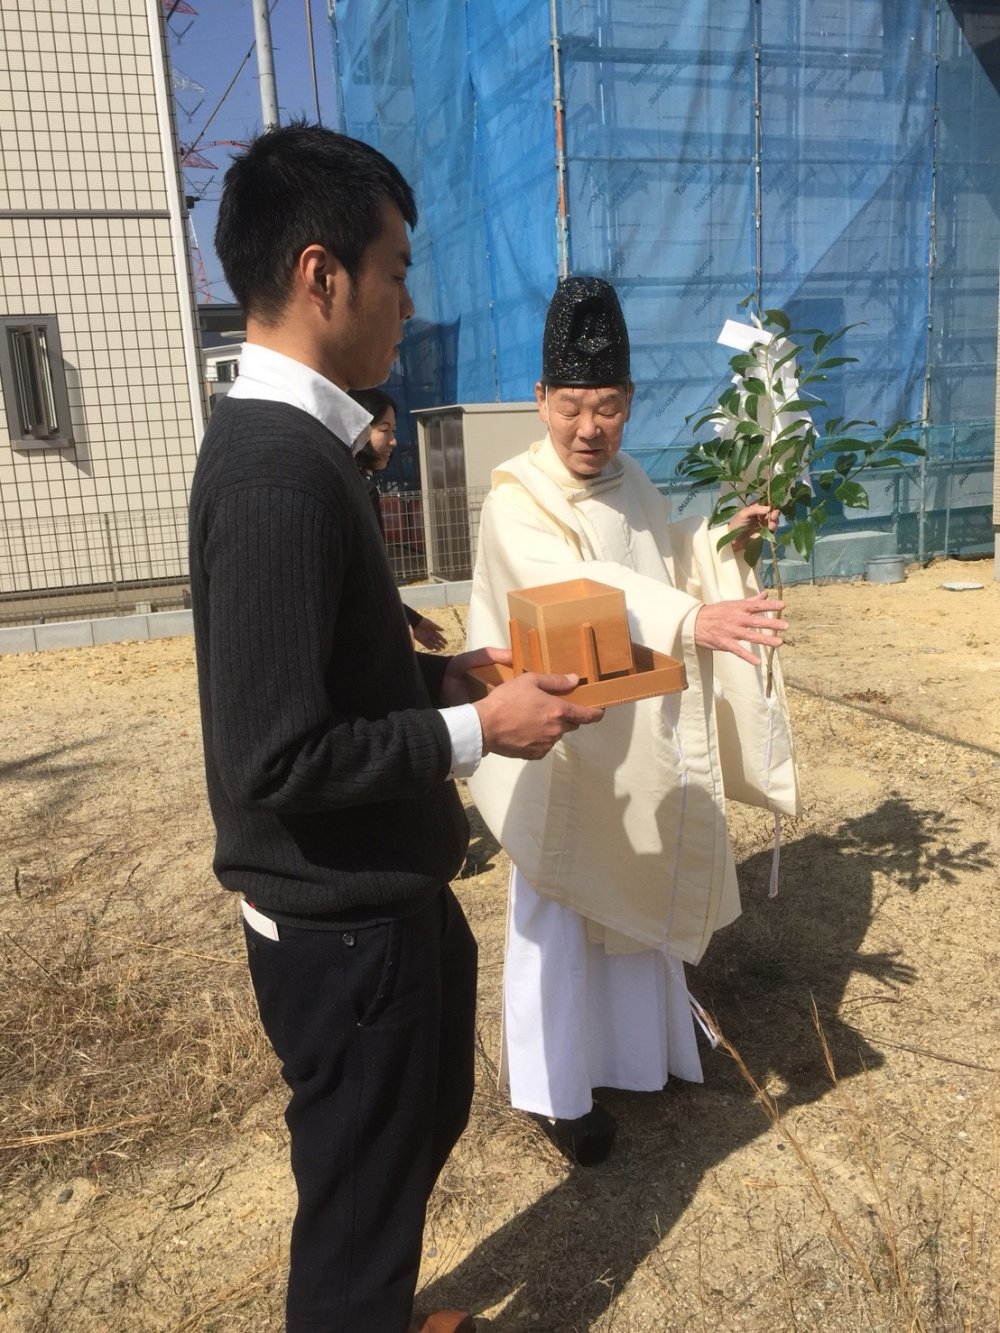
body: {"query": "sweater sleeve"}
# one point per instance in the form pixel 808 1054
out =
pixel 275 561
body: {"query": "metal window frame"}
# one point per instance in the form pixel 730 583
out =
pixel 47 350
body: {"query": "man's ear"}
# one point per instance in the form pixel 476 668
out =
pixel 628 400
pixel 321 275
pixel 542 402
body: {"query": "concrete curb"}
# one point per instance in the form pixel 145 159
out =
pixel 167 624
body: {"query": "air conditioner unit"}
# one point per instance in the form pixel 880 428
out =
pixel 459 446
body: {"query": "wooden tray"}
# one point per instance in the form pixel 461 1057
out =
pixel 655 674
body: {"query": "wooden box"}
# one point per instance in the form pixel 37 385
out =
pixel 577 626
pixel 581 627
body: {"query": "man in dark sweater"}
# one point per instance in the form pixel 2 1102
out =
pixel 330 745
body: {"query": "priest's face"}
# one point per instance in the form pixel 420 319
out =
pixel 585 425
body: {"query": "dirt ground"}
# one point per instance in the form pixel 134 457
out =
pixel 840 1174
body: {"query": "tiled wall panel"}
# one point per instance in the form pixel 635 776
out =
pixel 90 232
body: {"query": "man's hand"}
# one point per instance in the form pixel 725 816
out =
pixel 524 717
pixel 428 635
pixel 729 626
pixel 455 685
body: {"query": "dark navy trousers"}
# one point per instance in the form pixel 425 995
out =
pixel 374 1026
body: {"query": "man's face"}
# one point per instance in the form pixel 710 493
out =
pixel 369 328
pixel 585 425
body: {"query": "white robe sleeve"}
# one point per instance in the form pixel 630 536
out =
pixel 522 545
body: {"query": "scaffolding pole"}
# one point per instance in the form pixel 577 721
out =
pixel 265 65
pixel 562 219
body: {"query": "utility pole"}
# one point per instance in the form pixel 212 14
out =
pixel 265 65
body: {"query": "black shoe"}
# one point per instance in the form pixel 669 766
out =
pixel 588 1140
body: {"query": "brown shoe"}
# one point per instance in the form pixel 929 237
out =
pixel 445 1321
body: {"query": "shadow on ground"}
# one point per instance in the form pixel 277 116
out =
pixel 559 1264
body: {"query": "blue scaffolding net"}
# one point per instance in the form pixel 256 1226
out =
pixel 841 157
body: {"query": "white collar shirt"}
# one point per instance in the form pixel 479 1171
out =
pixel 275 378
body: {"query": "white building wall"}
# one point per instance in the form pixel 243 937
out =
pixel 91 231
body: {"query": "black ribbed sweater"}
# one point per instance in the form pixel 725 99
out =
pixel 326 762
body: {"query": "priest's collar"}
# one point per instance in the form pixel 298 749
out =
pixel 544 456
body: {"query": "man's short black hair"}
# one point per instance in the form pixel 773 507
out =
pixel 294 186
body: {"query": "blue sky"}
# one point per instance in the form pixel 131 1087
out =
pixel 206 51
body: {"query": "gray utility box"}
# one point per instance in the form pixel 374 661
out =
pixel 459 447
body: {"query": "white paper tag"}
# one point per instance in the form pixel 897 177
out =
pixel 257 921
pixel 742 336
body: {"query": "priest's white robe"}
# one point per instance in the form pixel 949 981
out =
pixel 623 823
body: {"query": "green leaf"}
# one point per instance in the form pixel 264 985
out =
pixel 909 447
pixel 722 513
pixel 779 319
pixel 802 405
pixel 750 428
pixel 852 495
pixel 743 454
pixel 845 464
pixel 705 419
pixel 831 361
pixel 728 538
pixel 753 384
pixel 803 538
pixel 750 406
pixel 784 359
pixel 780 449
pixel 753 548
pixel 793 430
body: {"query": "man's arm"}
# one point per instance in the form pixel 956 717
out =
pixel 275 560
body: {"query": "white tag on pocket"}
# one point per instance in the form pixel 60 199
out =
pixel 257 921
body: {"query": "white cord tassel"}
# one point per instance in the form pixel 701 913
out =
pixel 704 1022
pixel 772 888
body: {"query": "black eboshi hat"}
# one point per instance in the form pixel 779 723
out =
pixel 585 344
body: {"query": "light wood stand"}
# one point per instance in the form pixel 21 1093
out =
pixel 581 627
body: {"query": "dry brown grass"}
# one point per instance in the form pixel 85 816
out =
pixel 114 1044
pixel 920 1257
pixel 837 1172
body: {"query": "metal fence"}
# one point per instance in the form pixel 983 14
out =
pixel 89 565
pixel 124 562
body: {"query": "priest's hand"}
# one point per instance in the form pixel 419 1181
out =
pixel 524 717
pixel 751 521
pixel 730 626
